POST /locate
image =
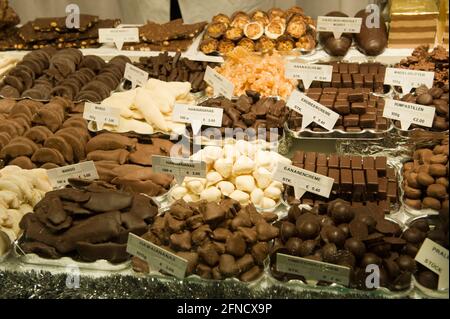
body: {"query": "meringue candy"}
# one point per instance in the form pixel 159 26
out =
pixel 231 152
pixel 262 159
pixel 212 178
pixel 267 203
pixel 224 167
pixel 245 183
pixel 226 187
pixel 240 196
pixel 246 148
pixel 243 165
pixel 277 184
pixel 211 194
pixel 195 186
pixel 178 192
pixel 212 153
pixel 263 177
pixel 191 198
pixel 256 196
pixel 272 192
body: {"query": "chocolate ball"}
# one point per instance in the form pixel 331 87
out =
pixel 336 236
pixel 345 228
pixel 307 229
pixel 355 246
pixel 413 235
pixel 307 248
pixel 421 224
pixel 326 221
pixel 342 213
pixel 425 99
pixel 293 245
pixel 287 230
pixel 345 258
pixel 410 250
pixel 370 259
pixel 391 267
pixel 406 263
pixel 294 212
pixel 383 250
pixel 369 221
pixel 428 279
pixel 329 253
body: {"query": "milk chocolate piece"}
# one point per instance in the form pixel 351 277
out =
pixel 333 161
pixel 346 180
pixel 381 164
pixel 382 188
pixel 372 180
pixel 345 161
pixel 356 162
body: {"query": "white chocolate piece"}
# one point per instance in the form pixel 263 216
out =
pixel 231 152
pixel 256 196
pixel 224 167
pixel 277 184
pixel 212 178
pixel 195 186
pixel 212 153
pixel 240 196
pixel 226 187
pixel 243 165
pixel 178 192
pixel 188 198
pixel 245 183
pixel 272 192
pixel 263 177
pixel 246 148
pixel 211 194
pixel 262 159
pixel 267 203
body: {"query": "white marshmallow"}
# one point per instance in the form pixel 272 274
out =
pixel 256 196
pixel 246 148
pixel 195 186
pixel 191 198
pixel 211 194
pixel 231 152
pixel 262 159
pixel 240 196
pixel 178 192
pixel 263 177
pixel 272 192
pixel 267 203
pixel 277 185
pixel 213 178
pixel 245 183
pixel 212 153
pixel 243 165
pixel 224 166
pixel 226 187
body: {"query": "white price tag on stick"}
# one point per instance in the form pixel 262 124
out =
pixel 308 72
pixel 409 113
pixel 338 25
pixel 101 114
pixel 313 270
pixel 408 79
pixel 303 180
pixel 435 257
pixel 59 177
pixel 135 75
pixel 118 36
pixel 312 111
pixel 178 167
pixel 157 257
pixel 197 116
pixel 220 84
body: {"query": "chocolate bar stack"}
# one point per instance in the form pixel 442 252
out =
pixel 53 32
pixel 171 36
pixel 357 108
pixel 360 180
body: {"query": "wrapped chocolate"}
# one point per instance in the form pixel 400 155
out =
pixel 261 17
pixel 264 44
pixel 285 43
pixel 234 34
pixel 254 30
pixel 239 19
pixel 225 46
pixel 247 44
pixel 275 29
pixel 296 27
pixel 222 18
pixel 209 46
pixel 216 29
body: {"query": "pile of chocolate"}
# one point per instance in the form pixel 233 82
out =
pixel 260 31
pixel 436 97
pixel 364 181
pixel 423 60
pixel 358 110
pixel 48 72
pixel 54 32
pixel 171 36
pixel 353 237
pixel 435 229
pixel 8 17
pixel 425 178
pixel 251 111
pixel 124 162
pixel 33 134
pixel 219 240
pixel 166 68
pixel 87 223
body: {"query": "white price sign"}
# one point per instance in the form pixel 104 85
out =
pixel 197 116
pixel 178 167
pixel 338 25
pixel 101 114
pixel 408 79
pixel 135 75
pixel 312 111
pixel 118 36
pixel 308 72
pixel 220 84
pixel 59 177
pixel 409 113
pixel 435 257
pixel 313 270
pixel 157 257
pixel 303 180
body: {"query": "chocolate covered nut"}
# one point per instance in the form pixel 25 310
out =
pixel 293 246
pixel 181 241
pixel 235 245
pixel 252 274
pixel 209 254
pixel 260 251
pixel 228 266
pixel 266 231
pixel 436 191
